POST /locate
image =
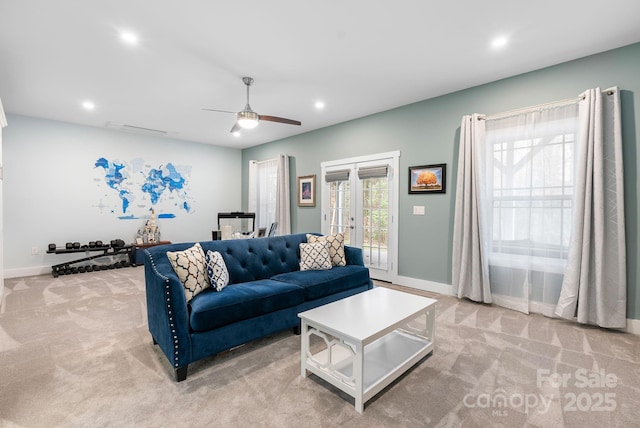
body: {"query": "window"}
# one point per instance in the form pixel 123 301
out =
pixel 532 193
pixel 530 160
pixel 340 208
pixel 263 178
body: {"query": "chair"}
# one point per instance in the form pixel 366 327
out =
pixel 273 228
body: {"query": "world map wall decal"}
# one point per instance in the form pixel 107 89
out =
pixel 131 189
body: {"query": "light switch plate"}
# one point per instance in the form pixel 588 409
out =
pixel 418 210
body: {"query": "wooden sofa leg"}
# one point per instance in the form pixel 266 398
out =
pixel 296 330
pixel 181 373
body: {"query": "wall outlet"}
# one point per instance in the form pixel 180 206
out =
pixel 34 251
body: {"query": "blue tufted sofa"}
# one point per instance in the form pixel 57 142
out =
pixel 267 290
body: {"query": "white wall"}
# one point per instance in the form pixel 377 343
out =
pixel 3 123
pixel 52 189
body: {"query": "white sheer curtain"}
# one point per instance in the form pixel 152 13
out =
pixel 595 283
pixel 269 193
pixel 529 160
pixel 539 202
pixel 470 267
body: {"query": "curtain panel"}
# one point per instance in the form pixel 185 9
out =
pixel 539 215
pixel 595 283
pixel 470 272
pixel 269 191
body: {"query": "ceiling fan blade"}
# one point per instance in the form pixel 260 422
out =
pixel 236 128
pixel 221 111
pixel 280 120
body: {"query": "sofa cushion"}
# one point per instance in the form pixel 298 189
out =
pixel 251 259
pixel 335 244
pixel 216 270
pixel 314 256
pixel 189 266
pixel 320 283
pixel 237 302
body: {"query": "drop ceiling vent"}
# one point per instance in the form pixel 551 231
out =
pixel 138 129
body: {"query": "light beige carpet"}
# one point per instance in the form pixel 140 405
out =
pixel 75 352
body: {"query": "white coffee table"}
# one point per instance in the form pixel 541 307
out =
pixel 369 340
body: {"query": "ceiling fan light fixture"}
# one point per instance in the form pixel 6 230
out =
pixel 248 119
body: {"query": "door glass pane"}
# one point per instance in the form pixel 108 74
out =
pixel 375 221
pixel 340 209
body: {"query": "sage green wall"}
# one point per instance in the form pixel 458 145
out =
pixel 427 132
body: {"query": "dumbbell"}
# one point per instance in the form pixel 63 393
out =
pixel 117 243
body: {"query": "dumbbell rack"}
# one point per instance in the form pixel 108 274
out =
pixel 106 250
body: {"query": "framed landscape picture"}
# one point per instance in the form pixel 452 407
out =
pixel 307 191
pixel 428 178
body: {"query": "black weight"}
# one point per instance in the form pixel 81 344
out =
pixel 81 269
pixel 69 245
pixel 117 243
pixel 99 244
pixel 92 244
pixel 76 245
pixel 52 247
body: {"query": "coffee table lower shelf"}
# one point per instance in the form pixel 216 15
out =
pixel 383 361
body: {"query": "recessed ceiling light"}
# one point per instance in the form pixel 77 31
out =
pixel 499 42
pixel 88 105
pixel 319 105
pixel 129 37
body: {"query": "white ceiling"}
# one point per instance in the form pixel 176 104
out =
pixel 358 56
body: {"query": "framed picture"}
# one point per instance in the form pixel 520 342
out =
pixel 307 191
pixel 428 178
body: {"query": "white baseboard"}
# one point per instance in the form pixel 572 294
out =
pixel 424 285
pixel 27 271
pixel 633 325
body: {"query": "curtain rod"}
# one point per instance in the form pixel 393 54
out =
pixel 560 103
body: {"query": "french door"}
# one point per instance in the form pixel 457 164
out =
pixel 360 199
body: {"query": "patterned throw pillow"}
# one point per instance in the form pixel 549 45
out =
pixel 314 256
pixel 189 266
pixel 336 247
pixel 217 270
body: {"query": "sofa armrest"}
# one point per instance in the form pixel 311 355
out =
pixel 353 255
pixel 167 312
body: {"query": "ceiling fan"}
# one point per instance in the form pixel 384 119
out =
pixel 248 119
